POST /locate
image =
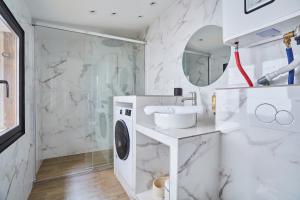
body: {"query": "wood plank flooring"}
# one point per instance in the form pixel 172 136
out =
pixel 66 165
pixel 101 185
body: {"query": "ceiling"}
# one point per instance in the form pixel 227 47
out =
pixel 206 40
pixel 77 14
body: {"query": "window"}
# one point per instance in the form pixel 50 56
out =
pixel 12 119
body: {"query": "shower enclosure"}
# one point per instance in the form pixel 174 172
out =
pixel 77 76
pixel 196 68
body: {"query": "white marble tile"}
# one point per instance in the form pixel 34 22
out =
pixel 77 77
pixel 254 166
pixel 17 162
pixel 152 161
pixel 168 35
pixel 259 158
pixel 198 174
pixel 191 162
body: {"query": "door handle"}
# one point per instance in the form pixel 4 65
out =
pixel 7 87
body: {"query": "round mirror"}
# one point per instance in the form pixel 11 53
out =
pixel 205 57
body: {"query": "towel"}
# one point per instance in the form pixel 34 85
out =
pixel 149 110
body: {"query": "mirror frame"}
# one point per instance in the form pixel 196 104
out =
pixel 14 134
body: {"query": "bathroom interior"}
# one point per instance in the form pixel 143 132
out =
pixel 149 100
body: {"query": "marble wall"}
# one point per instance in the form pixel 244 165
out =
pixel 166 40
pixel 2 94
pixel 17 162
pixel 198 174
pixel 149 153
pixel 168 35
pixel 260 143
pixel 77 76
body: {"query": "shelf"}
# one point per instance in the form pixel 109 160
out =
pixel 147 195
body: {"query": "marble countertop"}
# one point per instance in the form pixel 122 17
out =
pixel 202 127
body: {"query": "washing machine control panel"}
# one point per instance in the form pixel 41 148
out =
pixel 126 112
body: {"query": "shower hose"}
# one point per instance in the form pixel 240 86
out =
pixel 241 69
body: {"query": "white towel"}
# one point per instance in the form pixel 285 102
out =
pixel 149 110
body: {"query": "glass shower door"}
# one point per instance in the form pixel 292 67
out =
pixel 77 77
pixel 117 70
pixel 105 75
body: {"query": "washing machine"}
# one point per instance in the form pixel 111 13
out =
pixel 123 146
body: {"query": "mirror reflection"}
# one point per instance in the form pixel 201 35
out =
pixel 205 57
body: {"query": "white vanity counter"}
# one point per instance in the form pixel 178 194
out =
pixel 188 156
pixel 202 127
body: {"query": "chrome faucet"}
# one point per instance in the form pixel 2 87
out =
pixel 193 98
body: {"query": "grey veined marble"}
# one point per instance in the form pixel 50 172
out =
pixel 260 144
pixel 77 77
pixel 17 168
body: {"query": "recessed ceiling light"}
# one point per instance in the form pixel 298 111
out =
pixel 113 13
pixel 92 11
pixel 153 3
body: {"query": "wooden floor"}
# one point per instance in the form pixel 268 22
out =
pixel 101 185
pixel 66 165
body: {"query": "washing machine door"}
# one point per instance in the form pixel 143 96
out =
pixel 122 140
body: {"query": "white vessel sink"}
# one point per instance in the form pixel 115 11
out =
pixel 172 117
pixel 169 121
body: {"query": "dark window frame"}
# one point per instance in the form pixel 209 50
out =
pixel 12 135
